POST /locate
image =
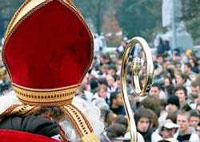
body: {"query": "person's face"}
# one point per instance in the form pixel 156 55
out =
pixel 154 91
pixel 102 93
pixel 194 121
pixel 111 72
pixel 104 60
pixel 186 69
pixel 120 100
pixel 179 80
pixel 160 60
pixel 168 133
pixel 195 91
pixel 183 123
pixel 181 95
pixel 143 124
pixel 167 82
pixel 172 108
pixel 176 57
pixel 110 80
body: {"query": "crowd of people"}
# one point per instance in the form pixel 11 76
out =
pixel 170 112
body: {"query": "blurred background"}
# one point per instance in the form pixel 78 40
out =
pixel 116 20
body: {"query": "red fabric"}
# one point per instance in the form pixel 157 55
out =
pixel 19 136
pixel 50 48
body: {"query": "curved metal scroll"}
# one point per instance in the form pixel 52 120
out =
pixel 136 63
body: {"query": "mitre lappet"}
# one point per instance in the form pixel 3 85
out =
pixel 48 50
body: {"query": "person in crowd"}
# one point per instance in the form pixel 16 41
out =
pixel 102 93
pixel 160 59
pixel 194 63
pixel 118 133
pixel 112 86
pixel 112 70
pixel 165 131
pixel 105 59
pixel 115 131
pixel 109 118
pixel 157 92
pixel 193 96
pixel 116 103
pixel 151 103
pixel 182 80
pixel 144 121
pixel 194 119
pixel 168 86
pixel 176 57
pixel 119 51
pixel 98 44
pixel 171 110
pixel 102 70
pixel 121 119
pixel 118 84
pixel 118 64
pixel 185 132
pixel 162 47
pixel 94 85
pixel 188 71
pixel 173 104
pixel 158 68
pixel 181 93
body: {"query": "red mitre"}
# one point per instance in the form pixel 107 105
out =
pixel 48 50
pixel 19 136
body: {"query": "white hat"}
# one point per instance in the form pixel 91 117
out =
pixel 139 137
pixel 169 124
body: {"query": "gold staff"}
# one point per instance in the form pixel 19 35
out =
pixel 136 64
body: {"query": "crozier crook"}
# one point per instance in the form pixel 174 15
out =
pixel 136 64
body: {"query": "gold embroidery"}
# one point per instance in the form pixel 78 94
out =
pixel 19 110
pixel 90 138
pixel 23 109
pixel 45 97
pixel 81 124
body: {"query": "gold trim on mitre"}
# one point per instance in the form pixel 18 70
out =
pixel 81 124
pixel 90 138
pixel 28 7
pixel 44 97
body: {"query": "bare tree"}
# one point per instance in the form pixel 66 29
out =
pixel 93 10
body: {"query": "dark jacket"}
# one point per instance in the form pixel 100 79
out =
pixel 147 135
pixel 32 124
